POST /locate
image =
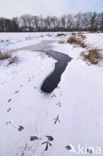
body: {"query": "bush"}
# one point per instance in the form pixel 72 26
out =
pixel 60 34
pixel 92 57
pixel 77 41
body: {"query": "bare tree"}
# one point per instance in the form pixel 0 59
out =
pixel 69 22
pixel 54 22
pixel 93 22
pixel 26 20
pixel 63 21
pixel 48 22
pixel 35 22
pixel 101 21
pixel 90 21
pixel 78 21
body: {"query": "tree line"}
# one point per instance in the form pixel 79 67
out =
pixel 89 21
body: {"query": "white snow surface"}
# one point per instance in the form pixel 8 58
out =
pixel 77 101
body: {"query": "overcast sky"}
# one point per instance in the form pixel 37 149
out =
pixel 11 8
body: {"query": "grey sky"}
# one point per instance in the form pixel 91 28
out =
pixel 11 8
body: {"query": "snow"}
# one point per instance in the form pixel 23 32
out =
pixel 94 40
pixel 84 105
pixel 18 40
pixel 77 101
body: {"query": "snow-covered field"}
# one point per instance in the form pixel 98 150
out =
pixel 63 121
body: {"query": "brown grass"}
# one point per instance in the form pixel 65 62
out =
pixel 73 34
pixel 77 41
pixel 80 33
pixel 92 57
pixel 4 56
pixel 60 34
pixel 7 56
pixel 82 36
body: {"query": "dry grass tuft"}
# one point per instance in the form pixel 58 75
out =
pixel 72 40
pixel 80 33
pixel 92 57
pixel 8 56
pixel 82 36
pixel 73 34
pixel 4 56
pixel 60 34
pixel 77 41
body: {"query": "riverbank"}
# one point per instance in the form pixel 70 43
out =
pixel 70 115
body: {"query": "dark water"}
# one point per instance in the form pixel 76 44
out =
pixel 52 81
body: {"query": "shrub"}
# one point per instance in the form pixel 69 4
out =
pixel 60 34
pixel 77 41
pixel 92 57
